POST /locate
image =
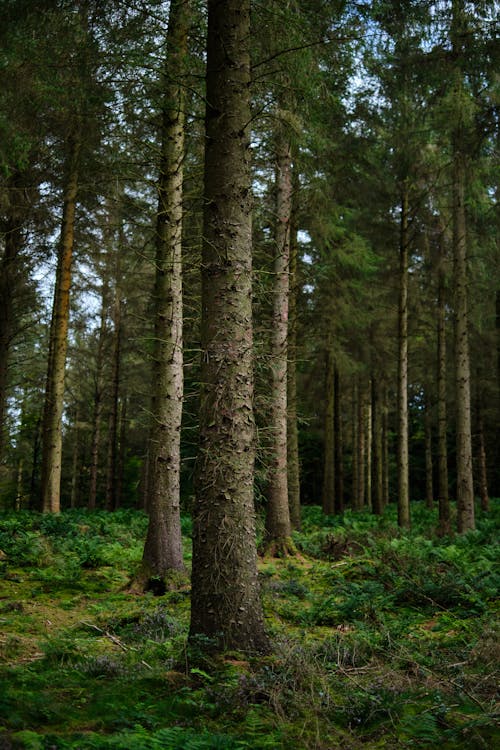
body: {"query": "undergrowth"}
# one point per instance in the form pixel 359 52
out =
pixel 382 639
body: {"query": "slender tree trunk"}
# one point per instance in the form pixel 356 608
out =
pixel 429 484
pixel 355 451
pixel 368 409
pixel 98 400
pixel 13 238
pixel 385 449
pixel 163 548
pixel 403 463
pixel 328 493
pixel 225 592
pixel 75 461
pixel 111 496
pixel 482 464
pixel 278 524
pixel 443 491
pixel 378 488
pixel 338 446
pixel 292 427
pixel 54 394
pixel 465 488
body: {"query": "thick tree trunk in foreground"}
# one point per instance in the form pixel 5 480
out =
pixel 292 427
pixel 225 602
pixel 328 492
pixel 54 395
pixel 278 525
pixel 403 461
pixel 163 547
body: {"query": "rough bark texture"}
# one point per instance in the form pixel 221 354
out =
pixel 225 598
pixel 402 461
pixel 278 525
pixel 328 492
pixel 54 394
pixel 293 464
pixel 465 485
pixel 163 547
pixel 442 426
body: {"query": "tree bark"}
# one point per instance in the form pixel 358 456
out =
pixel 225 598
pixel 378 488
pixel 98 399
pixel 355 451
pixel 442 426
pixel 293 464
pixel 403 464
pixel 54 394
pixel 482 464
pixel 278 525
pixel 163 547
pixel 368 410
pixel 111 494
pixel 328 493
pixel 429 483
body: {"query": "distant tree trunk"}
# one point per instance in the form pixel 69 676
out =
pixel 292 427
pixel 361 448
pixel 54 394
pixel 378 488
pixel 465 485
pixel 75 461
pixel 225 603
pixel 111 496
pixel 385 449
pixel 482 465
pixel 355 444
pixel 403 463
pixel 368 409
pixel 442 451
pixel 163 547
pixel 13 238
pixel 122 449
pixel 328 493
pixel 338 446
pixel 278 525
pixel 98 400
pixel 429 484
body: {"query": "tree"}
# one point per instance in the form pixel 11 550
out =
pixel 225 592
pixel 163 547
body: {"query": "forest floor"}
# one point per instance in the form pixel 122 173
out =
pixel 381 639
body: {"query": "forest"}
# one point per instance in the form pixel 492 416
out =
pixel 249 374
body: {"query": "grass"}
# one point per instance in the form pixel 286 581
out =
pixel 382 639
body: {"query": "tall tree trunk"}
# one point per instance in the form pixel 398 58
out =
pixel 98 399
pixel 465 485
pixel 293 464
pixel 54 394
pixel 403 463
pixel 328 493
pixel 338 447
pixel 111 496
pixel 163 547
pixel 385 448
pixel 278 525
pixel 429 484
pixel 378 488
pixel 225 602
pixel 355 451
pixel 75 461
pixel 442 451
pixel 12 238
pixel 482 465
pixel 368 409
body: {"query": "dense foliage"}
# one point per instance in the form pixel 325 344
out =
pixel 382 639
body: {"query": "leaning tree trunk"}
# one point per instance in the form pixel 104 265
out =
pixel 278 525
pixel 54 394
pixel 163 547
pixel 225 602
pixel 403 462
pixel 328 493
